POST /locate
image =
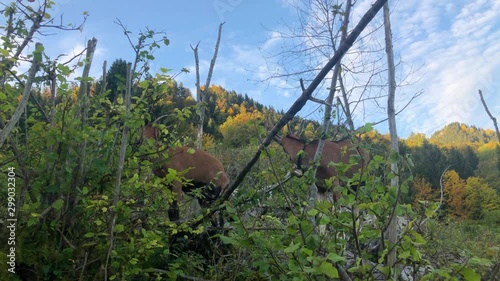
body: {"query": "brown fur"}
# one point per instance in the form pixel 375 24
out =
pixel 336 152
pixel 203 171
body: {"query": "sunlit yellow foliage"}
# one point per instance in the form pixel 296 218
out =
pixel 46 94
pixel 454 189
pixel 415 140
pixel 422 189
pixel 468 199
pixel 309 131
pixel 488 146
pixel 239 129
pixel 92 89
pixel 221 104
pixel 479 198
pixel 208 141
pixel 218 90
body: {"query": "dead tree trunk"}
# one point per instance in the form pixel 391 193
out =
pixel 119 170
pixel 82 109
pixel 71 199
pixel 202 95
pixel 313 190
pixel 391 114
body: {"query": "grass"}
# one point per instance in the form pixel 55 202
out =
pixel 474 243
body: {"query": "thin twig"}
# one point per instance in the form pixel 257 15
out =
pixel 66 240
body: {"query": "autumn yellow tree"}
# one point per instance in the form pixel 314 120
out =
pixel 455 192
pixel 415 140
pixel 480 198
pixel 238 130
pixel 422 190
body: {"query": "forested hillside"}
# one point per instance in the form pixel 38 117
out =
pixel 89 186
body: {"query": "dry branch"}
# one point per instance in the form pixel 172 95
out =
pixel 489 114
pixel 119 170
pixel 202 96
pixel 391 115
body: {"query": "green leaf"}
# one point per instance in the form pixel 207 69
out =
pixel 4 52
pixel 119 228
pixel 172 174
pixel 230 210
pixel 329 270
pixel 368 127
pixel 335 258
pixel 404 254
pixel 470 275
pixel 307 252
pixel 89 235
pixel 324 220
pixel 292 248
pixel 429 212
pixel 480 261
pixel 58 204
pixel 227 240
pixel 85 190
pixel 64 69
pixel 312 212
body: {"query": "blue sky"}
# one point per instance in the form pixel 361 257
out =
pixel 446 49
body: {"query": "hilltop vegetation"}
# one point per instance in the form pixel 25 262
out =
pixel 456 134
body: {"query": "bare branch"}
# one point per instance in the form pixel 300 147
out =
pixel 202 96
pixel 402 109
pixel 126 32
pixel 302 87
pixel 214 58
pixel 489 114
pixel 316 100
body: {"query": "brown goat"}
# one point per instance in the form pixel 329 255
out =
pixel 333 152
pixel 202 170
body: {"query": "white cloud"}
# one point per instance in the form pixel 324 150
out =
pixel 451 49
pixel 460 55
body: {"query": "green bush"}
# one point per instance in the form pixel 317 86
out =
pixel 492 218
